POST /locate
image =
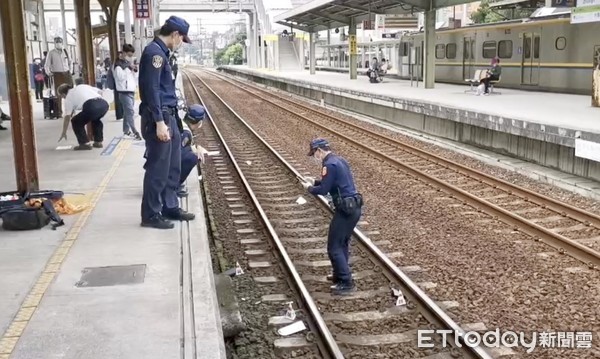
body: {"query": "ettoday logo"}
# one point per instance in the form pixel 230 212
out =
pixel 509 339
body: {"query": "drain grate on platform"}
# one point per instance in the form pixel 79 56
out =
pixel 112 275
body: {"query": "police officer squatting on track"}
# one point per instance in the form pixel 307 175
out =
pixel 125 74
pixel 93 107
pixel 161 128
pixel 191 153
pixel 337 180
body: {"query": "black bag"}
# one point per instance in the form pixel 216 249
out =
pixel 24 219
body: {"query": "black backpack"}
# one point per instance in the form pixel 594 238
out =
pixel 110 79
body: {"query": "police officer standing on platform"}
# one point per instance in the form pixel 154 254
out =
pixel 160 129
pixel 336 179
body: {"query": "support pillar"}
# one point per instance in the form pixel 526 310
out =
pixel 127 21
pixel 311 53
pixel 254 45
pixel 22 130
pixel 111 8
pixel 42 26
pixel 137 42
pixel 429 60
pixel 352 49
pixel 84 37
pixel 64 24
pixel 328 48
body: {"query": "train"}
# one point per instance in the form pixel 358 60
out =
pixel 543 53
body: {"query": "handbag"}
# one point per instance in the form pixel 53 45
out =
pixel 39 77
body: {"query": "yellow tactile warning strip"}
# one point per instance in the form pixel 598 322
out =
pixel 16 328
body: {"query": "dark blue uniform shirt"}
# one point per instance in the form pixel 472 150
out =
pixel 336 179
pixel 157 89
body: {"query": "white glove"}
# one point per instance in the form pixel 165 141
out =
pixel 201 153
pixel 310 180
pixel 306 185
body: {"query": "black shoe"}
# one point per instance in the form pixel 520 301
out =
pixel 137 136
pixel 157 222
pixel 178 214
pixel 98 145
pixel 82 147
pixel 331 278
pixel 2 128
pixel 343 289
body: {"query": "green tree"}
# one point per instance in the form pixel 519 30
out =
pixel 485 14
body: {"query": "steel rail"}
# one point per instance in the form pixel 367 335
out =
pixel 410 287
pixel 563 244
pixel 330 342
pixel 562 208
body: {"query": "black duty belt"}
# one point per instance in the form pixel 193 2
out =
pixel 171 110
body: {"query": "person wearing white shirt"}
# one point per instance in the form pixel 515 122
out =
pixel 125 85
pixel 88 100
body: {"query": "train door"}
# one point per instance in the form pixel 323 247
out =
pixel 468 57
pixel 530 58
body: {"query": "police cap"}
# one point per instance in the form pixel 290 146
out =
pixel 317 143
pixel 175 23
pixel 195 114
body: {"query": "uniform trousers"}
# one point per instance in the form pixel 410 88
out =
pixel 163 167
pixel 189 160
pixel 92 112
pixel 338 244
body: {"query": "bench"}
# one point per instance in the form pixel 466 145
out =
pixel 492 83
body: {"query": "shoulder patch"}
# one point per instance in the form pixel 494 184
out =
pixel 324 171
pixel 157 61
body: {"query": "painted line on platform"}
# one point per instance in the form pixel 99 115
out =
pixel 111 147
pixel 16 328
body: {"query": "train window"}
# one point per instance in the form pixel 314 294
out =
pixel 560 43
pixel 489 49
pixel 404 49
pixel 536 47
pixel 505 49
pixel 466 47
pixel 440 51
pixel 527 48
pixel 451 51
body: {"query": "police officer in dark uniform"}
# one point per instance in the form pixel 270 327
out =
pixel 160 128
pixel 336 179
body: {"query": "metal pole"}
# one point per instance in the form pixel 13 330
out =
pixel 22 130
pixel 311 55
pixel 42 26
pixel 64 24
pixel 127 21
pixel 137 29
pixel 328 47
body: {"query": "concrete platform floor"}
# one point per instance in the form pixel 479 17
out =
pixel 552 109
pixel 44 310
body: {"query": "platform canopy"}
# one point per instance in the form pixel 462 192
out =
pixel 320 15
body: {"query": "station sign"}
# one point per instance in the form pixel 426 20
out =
pixel 389 36
pixel 142 9
pixel 586 11
pixel 352 44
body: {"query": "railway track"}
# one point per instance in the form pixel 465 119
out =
pixel 568 229
pixel 277 231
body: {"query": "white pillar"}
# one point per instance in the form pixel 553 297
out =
pixel 64 24
pixel 429 61
pixel 127 21
pixel 311 54
pixel 328 48
pixel 42 26
pixel 137 42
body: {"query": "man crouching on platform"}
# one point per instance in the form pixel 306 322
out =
pixel 191 153
pixel 93 107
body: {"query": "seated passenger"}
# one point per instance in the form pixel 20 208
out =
pixel 493 74
pixel 373 72
pixel 383 67
pixel 190 152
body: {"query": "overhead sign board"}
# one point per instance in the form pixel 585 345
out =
pixel 584 14
pixel 142 9
pixel 586 11
pixel 388 36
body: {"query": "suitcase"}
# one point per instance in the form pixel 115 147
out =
pixel 52 103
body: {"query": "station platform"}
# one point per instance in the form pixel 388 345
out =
pixel 101 286
pixel 543 128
